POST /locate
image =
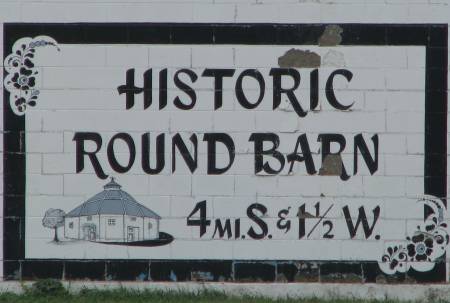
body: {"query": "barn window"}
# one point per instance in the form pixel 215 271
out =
pixel 71 225
pixel 111 221
pixel 150 225
pixel 89 218
pixel 133 218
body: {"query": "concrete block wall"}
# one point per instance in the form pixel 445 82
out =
pixel 388 85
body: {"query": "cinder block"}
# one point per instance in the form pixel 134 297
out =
pixel 276 121
pixel 416 144
pixel 191 121
pixel 406 101
pixel 411 79
pixel 220 185
pixel 44 142
pixel 150 12
pixel 127 56
pixel 212 57
pixel 169 56
pixel 10 12
pixel 170 185
pixel 216 12
pixel 257 13
pixel 71 56
pixel 392 144
pixel 383 186
pixel 44 184
pixel 404 165
pixel 82 77
pixel 407 122
pixel 292 12
pixel 344 122
pixel 382 12
pixel 242 121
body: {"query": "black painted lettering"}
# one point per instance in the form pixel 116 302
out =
pixel 259 139
pixel 371 162
pixel 160 160
pixel 277 73
pixel 212 139
pixel 314 89
pixel 223 229
pixel 191 161
pixel 163 88
pixel 129 89
pixel 202 222
pixel 79 139
pixel 240 95
pixel 302 141
pixel 148 88
pixel 116 166
pixel 260 222
pixel 362 218
pixel 185 88
pixel 218 75
pixel 329 90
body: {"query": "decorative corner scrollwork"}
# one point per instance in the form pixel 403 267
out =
pixel 22 73
pixel 421 250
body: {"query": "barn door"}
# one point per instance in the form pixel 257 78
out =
pixel 133 233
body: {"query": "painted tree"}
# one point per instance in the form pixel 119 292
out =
pixel 54 218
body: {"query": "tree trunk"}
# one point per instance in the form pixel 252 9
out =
pixel 55 239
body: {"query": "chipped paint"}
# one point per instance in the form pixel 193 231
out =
pixel 331 36
pixel 333 58
pixel 299 58
pixel 331 166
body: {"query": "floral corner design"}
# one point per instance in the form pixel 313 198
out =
pixel 22 73
pixel 427 245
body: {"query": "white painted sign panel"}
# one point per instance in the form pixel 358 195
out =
pixel 244 152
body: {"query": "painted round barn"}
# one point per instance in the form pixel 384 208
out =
pixel 112 215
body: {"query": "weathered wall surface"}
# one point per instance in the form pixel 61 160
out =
pixel 321 156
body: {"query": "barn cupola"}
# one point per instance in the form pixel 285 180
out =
pixel 112 185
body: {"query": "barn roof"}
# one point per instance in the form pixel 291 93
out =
pixel 112 201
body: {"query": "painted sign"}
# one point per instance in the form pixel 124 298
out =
pixel 124 143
